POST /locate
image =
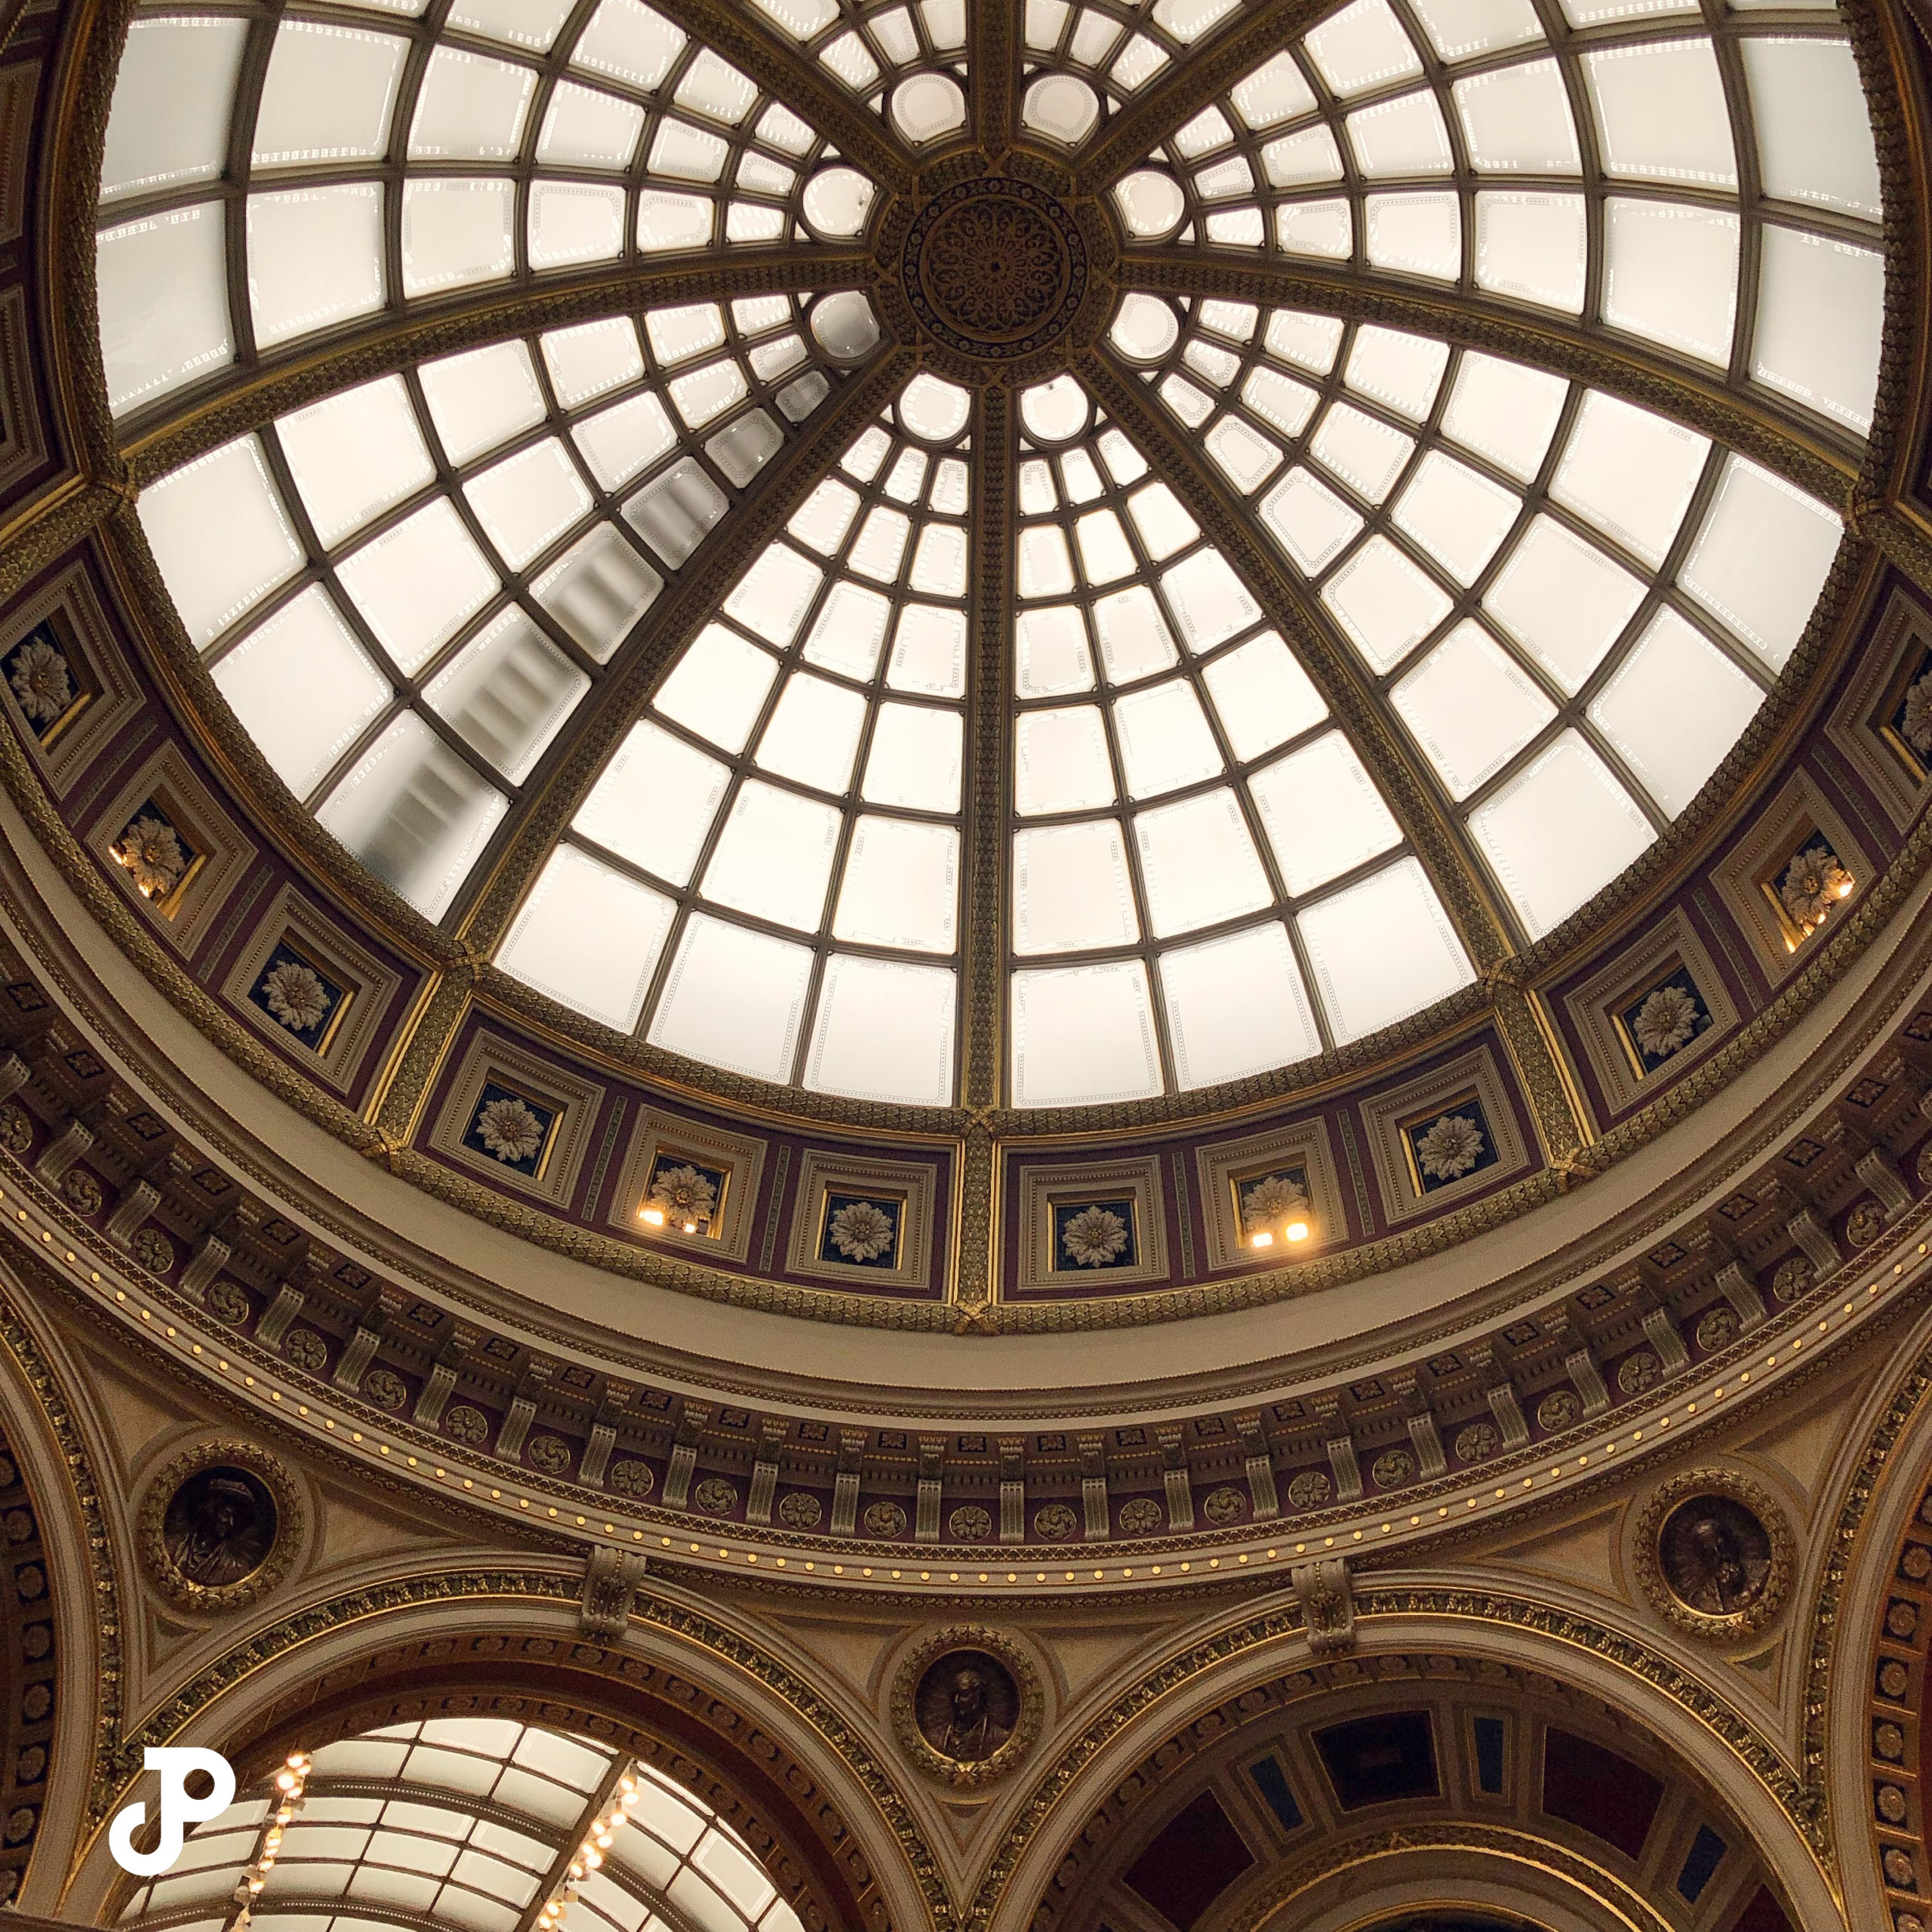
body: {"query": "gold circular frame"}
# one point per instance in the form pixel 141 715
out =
pixel 1747 1494
pixel 291 1519
pixel 935 1764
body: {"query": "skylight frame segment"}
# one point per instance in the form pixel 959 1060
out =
pixel 1570 710
pixel 514 590
pixel 1216 226
pixel 856 33
pixel 764 211
pixel 874 490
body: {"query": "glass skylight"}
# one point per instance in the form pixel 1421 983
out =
pixel 406 591
pixel 417 594
pixel 1706 183
pixel 374 180
pixel 1574 606
pixel 460 1823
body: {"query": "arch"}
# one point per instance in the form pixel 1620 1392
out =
pixel 1196 1697
pixel 674 1691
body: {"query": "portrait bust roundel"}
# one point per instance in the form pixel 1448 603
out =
pixel 966 1705
pixel 220 1525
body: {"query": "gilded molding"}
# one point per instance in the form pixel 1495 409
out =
pixel 1540 1854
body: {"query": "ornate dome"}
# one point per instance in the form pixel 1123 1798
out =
pixel 1357 495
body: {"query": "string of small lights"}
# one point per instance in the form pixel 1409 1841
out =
pixel 291 1782
pixel 598 1837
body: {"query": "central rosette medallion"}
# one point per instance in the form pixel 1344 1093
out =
pixel 994 269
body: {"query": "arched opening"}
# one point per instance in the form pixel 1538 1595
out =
pixel 463 1824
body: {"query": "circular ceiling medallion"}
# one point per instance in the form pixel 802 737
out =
pixel 967 1704
pixel 994 269
pixel 220 1525
pixel 1715 1554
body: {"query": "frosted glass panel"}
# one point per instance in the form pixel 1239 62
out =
pixel 508 694
pixel 1558 831
pixel 1323 814
pixel 1761 558
pixel 1661 114
pixel 1199 864
pixel 598 589
pixel 355 456
pixel 1504 412
pixel 774 856
pixel 1385 603
pixel 455 232
pixel 1070 889
pixel 916 758
pixel 1675 705
pixel 1381 950
pixel 1563 599
pixel 901 886
pixel 1813 127
pixel 314 258
pixel 172 100
pixel 717 687
pixel 813 733
pixel 528 500
pixel 220 536
pixel 1262 696
pixel 1236 1006
pixel 1456 516
pixel 884 1031
pixel 1471 707
pixel 1083 1036
pixel 654 802
pixel 1821 313
pixel 417 583
pixel 163 297
pixel 1672 275
pixel 589 938
pixel 481 399
pixel 303 688
pixel 469 108
pixel 734 998
pixel 1165 739
pixel 1519 118
pixel 329 95
pixel 1533 247
pixel 1061 762
pixel 415 814
pixel 1630 473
